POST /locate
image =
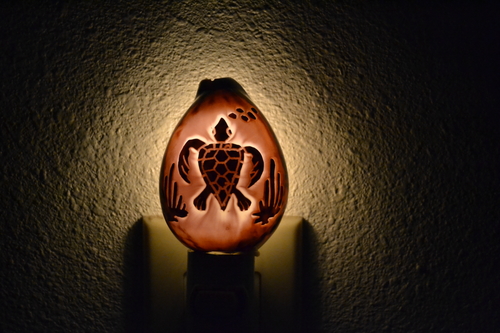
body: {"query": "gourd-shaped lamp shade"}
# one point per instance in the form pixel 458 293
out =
pixel 223 182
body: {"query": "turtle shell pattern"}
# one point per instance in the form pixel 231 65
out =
pixel 220 165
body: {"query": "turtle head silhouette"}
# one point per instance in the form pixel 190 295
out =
pixel 221 131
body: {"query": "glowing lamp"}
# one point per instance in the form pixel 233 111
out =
pixel 223 182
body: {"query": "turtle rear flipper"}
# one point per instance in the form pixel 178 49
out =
pixel 200 201
pixel 243 202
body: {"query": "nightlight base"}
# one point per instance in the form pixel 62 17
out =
pixel 278 266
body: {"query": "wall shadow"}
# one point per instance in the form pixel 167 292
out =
pixel 311 301
pixel 134 280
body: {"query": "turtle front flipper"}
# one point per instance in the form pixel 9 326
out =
pixel 257 165
pixel 200 201
pixel 184 155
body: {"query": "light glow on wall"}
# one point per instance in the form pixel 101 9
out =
pixel 276 85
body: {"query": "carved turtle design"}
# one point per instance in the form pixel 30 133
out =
pixel 220 164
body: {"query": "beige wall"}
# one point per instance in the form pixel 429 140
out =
pixel 386 113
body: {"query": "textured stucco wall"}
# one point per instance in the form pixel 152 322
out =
pixel 387 115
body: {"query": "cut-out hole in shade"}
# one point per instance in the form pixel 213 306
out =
pixel 223 188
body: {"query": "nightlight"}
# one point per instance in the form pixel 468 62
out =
pixel 223 191
pixel 223 183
